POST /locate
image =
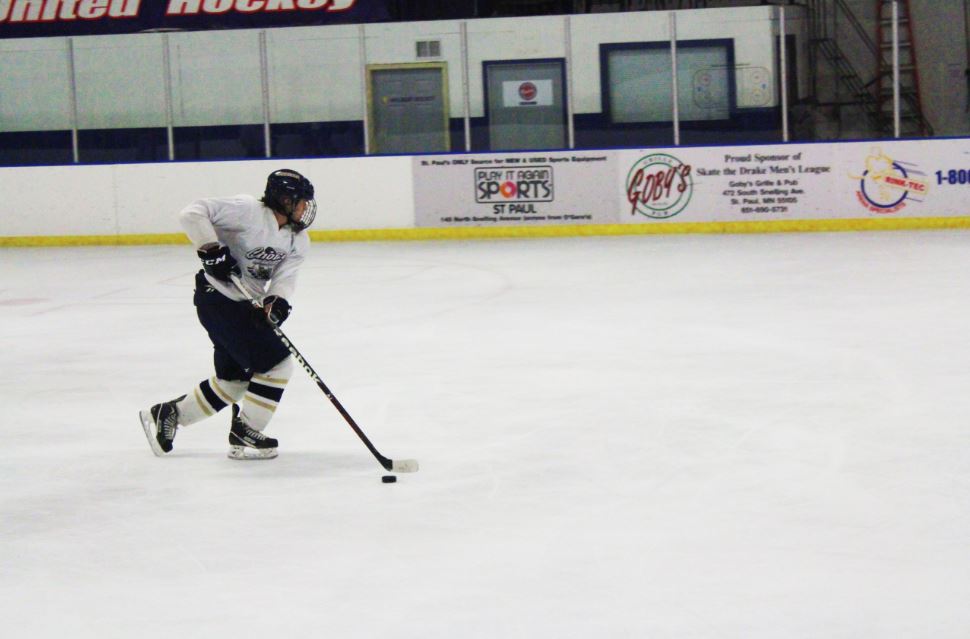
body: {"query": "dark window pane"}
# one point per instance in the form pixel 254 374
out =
pixel 317 139
pixel 36 147
pixel 106 146
pixel 219 142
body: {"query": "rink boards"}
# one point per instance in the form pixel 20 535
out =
pixel 841 186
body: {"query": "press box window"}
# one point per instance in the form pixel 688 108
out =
pixel 638 81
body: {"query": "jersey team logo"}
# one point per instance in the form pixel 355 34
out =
pixel 888 185
pixel 659 186
pixel 266 254
pixel 264 261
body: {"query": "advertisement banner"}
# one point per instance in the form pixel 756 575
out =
pixel 38 18
pixel 850 180
pixel 515 189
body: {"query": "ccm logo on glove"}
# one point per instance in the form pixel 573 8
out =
pixel 219 262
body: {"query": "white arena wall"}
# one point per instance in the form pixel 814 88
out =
pixel 782 187
pixel 137 203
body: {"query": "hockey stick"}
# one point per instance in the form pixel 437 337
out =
pixel 396 465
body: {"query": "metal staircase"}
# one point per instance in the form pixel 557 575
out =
pixel 823 18
pixel 875 96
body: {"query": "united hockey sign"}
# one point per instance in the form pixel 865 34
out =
pixel 193 7
pixel 38 18
pixel 52 11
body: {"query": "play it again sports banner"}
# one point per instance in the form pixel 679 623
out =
pixel 514 189
pixel 44 18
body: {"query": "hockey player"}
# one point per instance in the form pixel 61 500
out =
pixel 263 243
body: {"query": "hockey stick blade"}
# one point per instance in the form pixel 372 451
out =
pixel 404 465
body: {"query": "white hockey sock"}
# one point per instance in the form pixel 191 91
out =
pixel 264 394
pixel 208 398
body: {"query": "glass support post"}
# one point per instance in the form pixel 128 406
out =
pixel 73 101
pixel 897 123
pixel 465 89
pixel 674 78
pixel 568 42
pixel 169 109
pixel 264 83
pixel 783 62
pixel 362 51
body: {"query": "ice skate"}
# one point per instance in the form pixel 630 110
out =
pixel 249 443
pixel 160 423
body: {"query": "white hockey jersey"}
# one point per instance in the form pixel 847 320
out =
pixel 268 256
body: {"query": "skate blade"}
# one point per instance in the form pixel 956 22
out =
pixel 148 425
pixel 244 453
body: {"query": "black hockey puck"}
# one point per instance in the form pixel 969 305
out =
pixel 388 479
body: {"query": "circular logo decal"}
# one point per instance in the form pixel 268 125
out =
pixel 528 91
pixel 659 186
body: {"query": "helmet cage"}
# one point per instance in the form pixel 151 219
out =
pixel 306 218
pixel 285 189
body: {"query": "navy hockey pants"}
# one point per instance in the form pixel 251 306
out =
pixel 243 342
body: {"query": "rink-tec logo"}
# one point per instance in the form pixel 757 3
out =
pixel 888 185
pixel 514 185
pixel 31 11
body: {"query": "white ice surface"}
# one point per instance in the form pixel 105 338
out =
pixel 762 436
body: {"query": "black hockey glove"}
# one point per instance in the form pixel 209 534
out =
pixel 219 262
pixel 277 309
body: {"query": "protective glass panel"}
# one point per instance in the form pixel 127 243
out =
pixel 641 84
pixel 703 78
pixel 35 85
pixel 216 78
pixel 314 74
pixel 120 81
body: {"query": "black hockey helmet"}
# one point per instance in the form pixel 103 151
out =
pixel 284 190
